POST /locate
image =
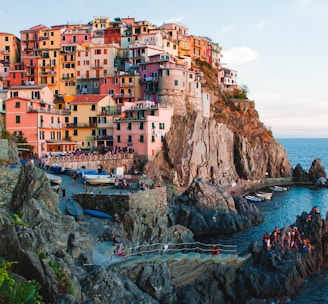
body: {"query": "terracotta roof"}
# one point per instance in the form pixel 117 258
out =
pixel 88 98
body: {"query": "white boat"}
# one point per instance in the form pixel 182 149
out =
pixel 55 181
pixel 253 198
pixel 278 188
pixel 264 195
pixel 99 179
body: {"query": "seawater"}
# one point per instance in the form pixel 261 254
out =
pixel 284 207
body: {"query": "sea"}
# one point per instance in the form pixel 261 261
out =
pixel 284 207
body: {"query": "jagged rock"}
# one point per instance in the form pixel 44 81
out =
pixel 317 170
pixel 204 209
pixel 300 175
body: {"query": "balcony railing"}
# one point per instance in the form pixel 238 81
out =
pixel 81 125
pixel 48 110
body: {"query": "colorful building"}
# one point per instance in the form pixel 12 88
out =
pixel 83 123
pixel 30 112
pixel 142 129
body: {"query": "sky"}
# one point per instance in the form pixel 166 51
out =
pixel 279 48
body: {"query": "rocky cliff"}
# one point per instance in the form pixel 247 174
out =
pixel 222 145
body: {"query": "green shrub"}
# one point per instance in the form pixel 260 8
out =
pixel 12 292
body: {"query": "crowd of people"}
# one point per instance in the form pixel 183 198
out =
pixel 290 236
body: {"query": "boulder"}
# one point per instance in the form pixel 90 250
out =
pixel 205 209
pixel 317 170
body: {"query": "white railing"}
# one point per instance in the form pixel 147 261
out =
pixel 181 247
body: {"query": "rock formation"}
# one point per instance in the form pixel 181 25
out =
pixel 232 143
pixel 315 175
pixel 57 251
pixel 205 209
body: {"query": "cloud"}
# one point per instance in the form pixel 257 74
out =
pixel 240 55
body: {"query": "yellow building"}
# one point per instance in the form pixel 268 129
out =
pixel 49 60
pixel 9 49
pixel 83 122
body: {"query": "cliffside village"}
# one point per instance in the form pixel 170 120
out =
pixel 109 85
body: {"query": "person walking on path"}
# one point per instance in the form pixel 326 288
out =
pixel 165 248
pixel 74 179
pixel 63 194
pixel 84 182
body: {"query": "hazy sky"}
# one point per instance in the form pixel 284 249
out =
pixel 279 48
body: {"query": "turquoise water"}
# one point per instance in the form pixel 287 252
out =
pixel 304 150
pixel 285 206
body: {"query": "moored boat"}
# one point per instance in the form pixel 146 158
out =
pixel 264 195
pixel 253 198
pixel 278 188
pixel 99 179
pixel 97 213
pixel 55 181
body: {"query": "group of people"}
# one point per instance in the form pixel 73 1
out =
pixel 290 236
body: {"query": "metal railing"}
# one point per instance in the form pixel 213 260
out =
pixel 197 247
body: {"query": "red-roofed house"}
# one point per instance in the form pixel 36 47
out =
pixel 90 117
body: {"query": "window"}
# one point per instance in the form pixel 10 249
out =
pixel 74 107
pixel 153 138
pixel 75 132
pixel 162 138
pixel 153 125
pixel 176 82
pixel 141 138
pixel 93 132
pixel 18 120
pixel 129 126
pixel 130 138
pixel 161 125
pixel 141 127
pixel 118 138
pixel 93 107
pixel 17 104
pixel 118 126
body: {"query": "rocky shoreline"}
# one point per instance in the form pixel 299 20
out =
pixel 44 237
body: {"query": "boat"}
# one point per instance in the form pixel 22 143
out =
pixel 73 208
pixel 253 198
pixel 55 181
pixel 99 179
pixel 97 213
pixel 278 188
pixel 264 195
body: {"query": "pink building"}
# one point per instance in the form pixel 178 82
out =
pixel 30 112
pixel 142 128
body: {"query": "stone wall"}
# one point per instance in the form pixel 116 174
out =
pixel 149 201
pixel 4 149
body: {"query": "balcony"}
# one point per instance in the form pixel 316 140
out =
pixel 48 110
pixel 97 66
pixel 149 80
pixel 81 125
